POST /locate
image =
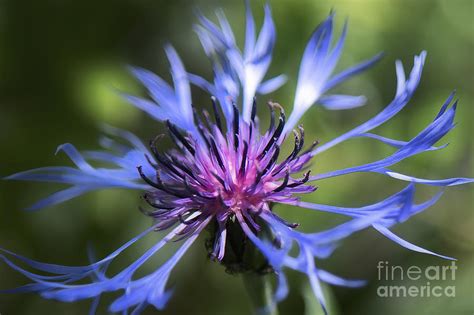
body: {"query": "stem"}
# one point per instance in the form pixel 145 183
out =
pixel 259 290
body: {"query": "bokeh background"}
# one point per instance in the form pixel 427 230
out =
pixel 60 62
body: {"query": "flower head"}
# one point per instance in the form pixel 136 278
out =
pixel 226 172
pixel 222 174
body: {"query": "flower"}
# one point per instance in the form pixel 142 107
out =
pixel 226 172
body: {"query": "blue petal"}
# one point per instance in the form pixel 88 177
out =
pixel 266 38
pixel 60 197
pixel 401 79
pixel 257 63
pixel 394 209
pixel 249 30
pixel 245 71
pixel 312 74
pixel 391 202
pixel 395 143
pixel 94 306
pixel 282 289
pixel 125 135
pixel 147 290
pixel 397 104
pixel 225 26
pixel 272 84
pixel 312 274
pixel 316 67
pixel 345 230
pixel 386 232
pixel 75 157
pixel 169 104
pixel 59 269
pixel 147 106
pixel 181 83
pixel 158 88
pixel 151 289
pixel 424 141
pixel 214 31
pixel 336 280
pixel 206 41
pixel 354 70
pixel 432 182
pixel 337 102
pixel 85 177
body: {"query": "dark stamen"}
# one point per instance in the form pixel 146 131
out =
pixel 301 181
pixel 269 165
pixel 301 137
pixel 157 205
pixel 272 118
pixel 311 147
pixel 276 133
pixel 159 185
pixel 250 132
pixel 219 179
pixel 146 211
pixel 285 182
pixel 184 168
pixel 217 154
pixel 216 113
pixel 162 159
pixel 168 189
pixel 244 158
pixel 200 127
pixel 292 155
pixel 209 122
pixel 148 158
pixel 153 142
pixel 187 187
pixel 146 179
pixel 174 131
pixel 236 126
pixel 273 159
pixel 288 224
pixel 254 109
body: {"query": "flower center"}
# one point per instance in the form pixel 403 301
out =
pixel 219 172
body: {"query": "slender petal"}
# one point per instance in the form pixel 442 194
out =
pixel 314 78
pixel 424 141
pixel 398 103
pixel 86 178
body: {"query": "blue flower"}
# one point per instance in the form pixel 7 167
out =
pixel 226 174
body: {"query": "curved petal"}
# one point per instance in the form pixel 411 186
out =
pixel 386 232
pixel 316 67
pixel 397 104
pixel 432 182
pixel 422 142
pixel 85 177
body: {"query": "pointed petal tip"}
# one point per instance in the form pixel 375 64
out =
pixel 379 55
pixel 32 208
pixel 169 49
pixel 11 177
pixel 62 147
pixel 422 57
pixel 266 7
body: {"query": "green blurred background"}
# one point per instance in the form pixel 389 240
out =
pixel 61 60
